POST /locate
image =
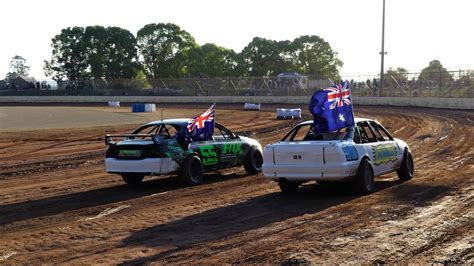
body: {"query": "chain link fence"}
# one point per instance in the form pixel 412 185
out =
pixel 434 84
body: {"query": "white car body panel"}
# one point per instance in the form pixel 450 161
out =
pixel 147 165
pixel 324 160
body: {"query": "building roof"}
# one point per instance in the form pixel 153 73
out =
pixel 26 78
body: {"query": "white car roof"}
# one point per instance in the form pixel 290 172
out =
pixel 356 120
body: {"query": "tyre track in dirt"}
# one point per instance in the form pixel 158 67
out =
pixel 239 218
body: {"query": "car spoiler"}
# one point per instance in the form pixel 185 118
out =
pixel 109 138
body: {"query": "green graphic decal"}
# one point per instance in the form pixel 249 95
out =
pixel 233 148
pixel 131 153
pixel 385 153
pixel 209 155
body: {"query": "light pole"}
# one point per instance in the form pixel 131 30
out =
pixel 382 53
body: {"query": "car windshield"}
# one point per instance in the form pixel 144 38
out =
pixel 164 130
pixel 305 132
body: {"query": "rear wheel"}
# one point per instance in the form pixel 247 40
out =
pixel 192 171
pixel 407 168
pixel 253 161
pixel 364 181
pixel 288 187
pixel 132 179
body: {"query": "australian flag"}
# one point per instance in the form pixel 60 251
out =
pixel 200 128
pixel 332 108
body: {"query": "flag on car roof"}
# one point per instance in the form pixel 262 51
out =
pixel 332 108
pixel 200 128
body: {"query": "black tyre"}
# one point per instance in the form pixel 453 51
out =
pixel 192 171
pixel 364 181
pixel 253 161
pixel 407 168
pixel 133 179
pixel 288 187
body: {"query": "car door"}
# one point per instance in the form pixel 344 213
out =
pixel 369 142
pixel 387 152
pixel 230 148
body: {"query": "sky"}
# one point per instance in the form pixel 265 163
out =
pixel 416 31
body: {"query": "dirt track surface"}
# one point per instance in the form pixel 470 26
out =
pixel 57 205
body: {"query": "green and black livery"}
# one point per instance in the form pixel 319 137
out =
pixel 158 140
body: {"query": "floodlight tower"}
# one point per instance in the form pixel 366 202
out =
pixel 382 53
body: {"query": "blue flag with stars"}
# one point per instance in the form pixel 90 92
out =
pixel 332 108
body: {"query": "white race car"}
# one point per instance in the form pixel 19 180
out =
pixel 356 154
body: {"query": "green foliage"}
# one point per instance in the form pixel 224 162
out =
pixel 399 74
pixel 308 55
pixel 94 52
pixel 69 56
pixel 211 60
pixel 260 57
pixel 163 48
pixel 315 57
pixel 17 67
pixel 435 73
pixel 112 52
pixel 108 54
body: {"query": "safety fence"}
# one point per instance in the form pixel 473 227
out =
pixel 431 84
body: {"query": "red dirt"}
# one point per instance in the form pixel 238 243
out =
pixel 57 205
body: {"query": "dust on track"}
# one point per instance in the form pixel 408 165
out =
pixel 58 206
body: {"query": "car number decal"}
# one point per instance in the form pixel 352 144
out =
pixel 208 154
pixel 385 153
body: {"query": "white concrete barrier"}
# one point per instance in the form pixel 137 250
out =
pixel 284 113
pixel 252 107
pixel 114 103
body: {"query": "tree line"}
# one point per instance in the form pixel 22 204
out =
pixel 164 50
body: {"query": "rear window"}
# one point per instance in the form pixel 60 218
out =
pixel 165 130
pixel 306 133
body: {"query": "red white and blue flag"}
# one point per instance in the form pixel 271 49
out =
pixel 200 128
pixel 203 122
pixel 332 108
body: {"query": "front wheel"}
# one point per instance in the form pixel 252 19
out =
pixel 192 171
pixel 288 187
pixel 364 181
pixel 407 169
pixel 253 161
pixel 132 179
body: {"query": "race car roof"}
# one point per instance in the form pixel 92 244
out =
pixel 357 120
pixel 174 121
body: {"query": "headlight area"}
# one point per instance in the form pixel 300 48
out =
pixel 351 153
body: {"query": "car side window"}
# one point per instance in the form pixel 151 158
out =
pixel 222 133
pixel 357 138
pixel 385 136
pixel 377 132
pixel 366 133
pixel 301 133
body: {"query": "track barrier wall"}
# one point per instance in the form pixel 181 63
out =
pixel 432 102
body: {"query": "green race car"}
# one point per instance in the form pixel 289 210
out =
pixel 153 149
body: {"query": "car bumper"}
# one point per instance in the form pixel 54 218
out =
pixel 148 166
pixel 303 173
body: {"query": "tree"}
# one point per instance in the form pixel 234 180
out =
pixel 314 56
pixel 212 61
pixel 160 45
pixel 111 52
pixel 260 57
pixel 399 74
pixel 69 57
pixel 435 73
pixel 104 54
pixel 17 67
